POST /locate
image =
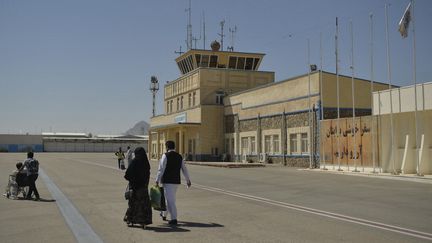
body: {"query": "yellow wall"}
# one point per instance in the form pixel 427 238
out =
pixel 211 131
pixel 289 95
pixel 362 91
pixel 192 116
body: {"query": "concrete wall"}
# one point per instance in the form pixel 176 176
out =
pixel 398 151
pixel 90 145
pixel 20 143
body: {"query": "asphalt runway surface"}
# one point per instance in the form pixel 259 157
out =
pixel 83 201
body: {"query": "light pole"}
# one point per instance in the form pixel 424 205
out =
pixel 154 87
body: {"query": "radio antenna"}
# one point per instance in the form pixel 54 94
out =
pixel 204 32
pixel 221 34
pixel 189 27
pixel 232 33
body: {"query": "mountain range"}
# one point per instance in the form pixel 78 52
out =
pixel 141 128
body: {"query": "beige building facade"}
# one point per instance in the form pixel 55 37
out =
pixel 222 108
pixel 280 122
pixel 194 110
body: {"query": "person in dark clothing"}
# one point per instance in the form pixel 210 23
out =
pixel 138 174
pixel 32 166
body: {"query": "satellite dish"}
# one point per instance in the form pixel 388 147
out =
pixel 215 46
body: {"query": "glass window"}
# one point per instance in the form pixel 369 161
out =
pixel 181 103
pixel 167 107
pixel 219 99
pixel 213 60
pixel 249 63
pixel 198 59
pixel 182 63
pixel 190 62
pixel 204 61
pixel 190 146
pixel 190 100
pixel 267 144
pixel 240 63
pixel 244 145
pixel 171 105
pixel 227 143
pixel 178 103
pixel 293 143
pixel 193 98
pixel 276 144
pixel 256 61
pixel 232 62
pixel 304 143
pixel 252 144
pixel 180 67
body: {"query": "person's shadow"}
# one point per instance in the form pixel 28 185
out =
pixel 45 200
pixel 40 200
pixel 180 226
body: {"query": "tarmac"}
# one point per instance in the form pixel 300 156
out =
pixel 368 172
pixel 82 201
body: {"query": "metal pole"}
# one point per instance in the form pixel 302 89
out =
pixel 338 130
pixel 309 107
pixel 390 93
pixel 372 89
pixel 417 148
pixel 353 130
pixel 154 98
pixel 322 102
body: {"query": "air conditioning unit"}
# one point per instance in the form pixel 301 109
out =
pixel 263 157
pixel 244 158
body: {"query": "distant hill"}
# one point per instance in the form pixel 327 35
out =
pixel 141 128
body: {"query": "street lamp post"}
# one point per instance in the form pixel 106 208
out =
pixel 154 87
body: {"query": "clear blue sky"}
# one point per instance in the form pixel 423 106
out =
pixel 85 65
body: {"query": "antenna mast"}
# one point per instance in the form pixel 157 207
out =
pixel 232 33
pixel 189 27
pixel 221 34
pixel 204 33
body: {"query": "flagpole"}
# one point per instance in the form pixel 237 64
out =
pixel 372 89
pixel 322 100
pixel 353 131
pixel 338 131
pixel 390 92
pixel 309 106
pixel 417 148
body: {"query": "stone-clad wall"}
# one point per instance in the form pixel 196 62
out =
pixel 297 120
pixel 248 125
pixel 233 125
pixel 273 122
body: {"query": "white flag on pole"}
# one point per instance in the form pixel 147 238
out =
pixel 404 22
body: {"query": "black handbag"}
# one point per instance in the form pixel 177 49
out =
pixel 128 193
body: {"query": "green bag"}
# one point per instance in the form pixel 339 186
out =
pixel 155 197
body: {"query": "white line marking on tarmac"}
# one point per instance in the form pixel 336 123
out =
pixel 373 224
pixel 82 231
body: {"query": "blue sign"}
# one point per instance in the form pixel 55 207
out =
pixel 180 118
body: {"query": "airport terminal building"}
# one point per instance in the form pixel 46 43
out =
pixel 223 108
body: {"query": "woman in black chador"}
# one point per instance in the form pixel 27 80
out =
pixel 138 175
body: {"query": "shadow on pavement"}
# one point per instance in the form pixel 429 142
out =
pixel 199 225
pixel 46 200
pixel 178 228
pixel 166 229
pixel 40 200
